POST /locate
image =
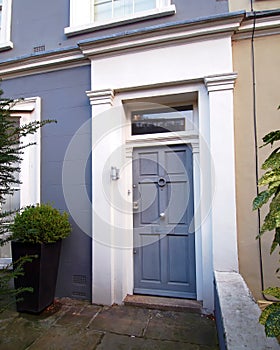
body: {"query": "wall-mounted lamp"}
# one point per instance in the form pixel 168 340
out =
pixel 115 173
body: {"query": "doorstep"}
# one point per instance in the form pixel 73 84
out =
pixel 163 303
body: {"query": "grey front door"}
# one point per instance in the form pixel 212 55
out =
pixel 164 242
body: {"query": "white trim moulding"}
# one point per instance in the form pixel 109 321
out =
pixel 263 26
pixel 42 63
pixel 6 46
pixel 152 37
pixel 191 32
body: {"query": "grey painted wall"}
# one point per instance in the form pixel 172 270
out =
pixel 37 22
pixel 64 99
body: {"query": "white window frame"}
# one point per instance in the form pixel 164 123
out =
pixel 29 110
pixel 5 31
pixel 82 16
pixel 189 132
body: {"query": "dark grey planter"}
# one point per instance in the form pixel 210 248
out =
pixel 40 274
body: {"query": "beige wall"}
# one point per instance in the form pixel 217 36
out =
pixel 267 59
pixel 258 5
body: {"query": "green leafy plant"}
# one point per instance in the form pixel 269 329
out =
pixel 270 316
pixel 40 224
pixel 9 295
pixel 271 179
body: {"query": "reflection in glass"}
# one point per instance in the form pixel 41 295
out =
pixel 108 9
pixel 159 121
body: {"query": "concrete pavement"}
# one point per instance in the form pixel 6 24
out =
pixel 72 324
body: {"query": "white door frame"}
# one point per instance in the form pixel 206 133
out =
pixel 191 223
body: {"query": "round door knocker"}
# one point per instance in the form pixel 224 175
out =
pixel 161 182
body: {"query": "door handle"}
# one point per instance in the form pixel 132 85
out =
pixel 162 215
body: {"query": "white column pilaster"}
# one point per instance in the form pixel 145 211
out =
pixel 224 229
pixel 102 233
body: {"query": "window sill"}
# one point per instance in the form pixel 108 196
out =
pixel 6 45
pixel 141 16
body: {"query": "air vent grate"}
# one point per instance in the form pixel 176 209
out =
pixel 39 48
pixel 79 294
pixel 79 279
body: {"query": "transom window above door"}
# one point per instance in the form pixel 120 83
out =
pixel 162 120
pixel 90 15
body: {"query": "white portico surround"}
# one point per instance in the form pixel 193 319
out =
pixel 135 69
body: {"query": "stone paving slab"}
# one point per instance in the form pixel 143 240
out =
pixel 71 324
pixel 122 320
pixel 79 316
pixel 116 341
pixel 71 338
pixel 19 334
pixel 182 327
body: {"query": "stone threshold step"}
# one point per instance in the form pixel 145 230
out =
pixel 163 303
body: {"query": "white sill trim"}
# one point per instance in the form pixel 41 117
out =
pixel 6 45
pixel 141 16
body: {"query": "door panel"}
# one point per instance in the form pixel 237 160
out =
pixel 148 163
pixel 177 196
pixel 149 203
pixel 164 249
pixel 150 256
pixel 174 161
pixel 177 258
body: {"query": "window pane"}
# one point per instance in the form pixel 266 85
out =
pixel 5 251
pixel 159 121
pixel 16 121
pixel 12 202
pixel 123 8
pixel 102 9
pixel 143 5
pixel 106 9
pixel 128 7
